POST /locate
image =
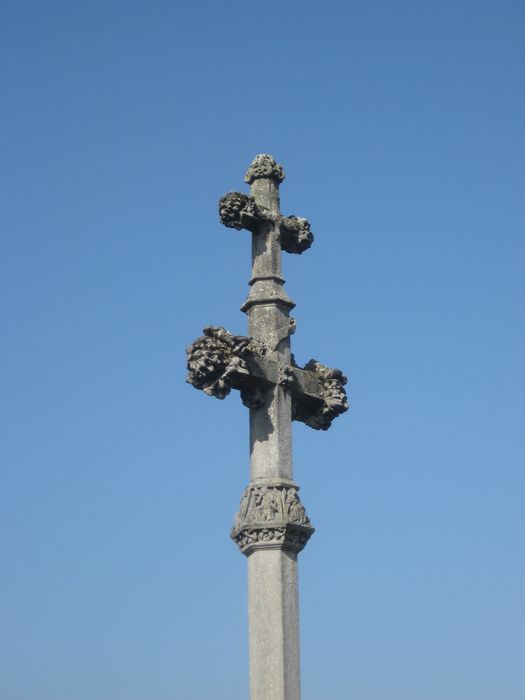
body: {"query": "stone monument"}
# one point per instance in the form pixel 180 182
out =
pixel 272 526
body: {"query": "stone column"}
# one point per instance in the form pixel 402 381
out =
pixel 271 526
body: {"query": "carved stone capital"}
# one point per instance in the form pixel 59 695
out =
pixel 296 236
pixel 320 414
pixel 264 165
pixel 271 516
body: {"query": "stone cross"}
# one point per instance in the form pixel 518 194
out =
pixel 271 527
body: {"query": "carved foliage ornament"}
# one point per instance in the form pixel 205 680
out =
pixel 238 210
pixel 271 516
pixel 264 165
pixel 215 361
pixel 217 364
pixel 333 395
pixel 296 236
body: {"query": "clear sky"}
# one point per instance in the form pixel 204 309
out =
pixel 401 129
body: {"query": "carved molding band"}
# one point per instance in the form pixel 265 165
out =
pixel 271 516
pixel 332 394
pixel 264 165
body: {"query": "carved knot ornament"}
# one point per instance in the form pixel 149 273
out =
pixel 271 516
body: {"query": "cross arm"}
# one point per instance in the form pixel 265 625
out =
pixel 238 210
pixel 219 362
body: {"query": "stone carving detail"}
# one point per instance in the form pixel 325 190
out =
pixel 296 236
pixel 285 377
pixel 264 165
pixel 253 396
pixel 285 331
pixel 287 537
pixel 319 415
pixel 271 516
pixel 238 210
pixel 215 361
pixel 219 361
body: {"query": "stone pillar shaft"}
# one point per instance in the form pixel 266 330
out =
pixel 271 526
pixel 274 625
pixel 272 573
pixel 268 309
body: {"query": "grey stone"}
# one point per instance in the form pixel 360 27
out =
pixel 271 526
pixel 271 516
pixel 219 362
pixel 264 167
pixel 273 616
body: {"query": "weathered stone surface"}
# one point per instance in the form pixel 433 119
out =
pixel 238 210
pixel 215 361
pixel 273 615
pixel 271 516
pixel 332 396
pixel 273 611
pixel 271 526
pixel 219 361
pixel 264 166
pixel 296 236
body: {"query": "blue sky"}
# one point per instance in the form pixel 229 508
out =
pixel 400 127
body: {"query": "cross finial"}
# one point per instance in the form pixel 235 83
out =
pixel 264 166
pixel 261 207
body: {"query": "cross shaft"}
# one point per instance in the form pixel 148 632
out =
pixel 271 527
